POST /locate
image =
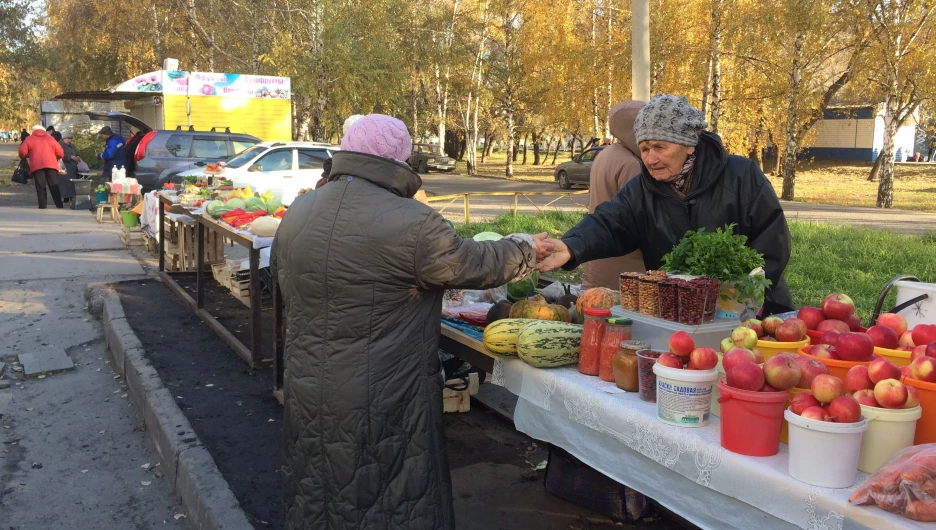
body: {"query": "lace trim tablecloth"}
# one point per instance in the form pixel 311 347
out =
pixel 682 468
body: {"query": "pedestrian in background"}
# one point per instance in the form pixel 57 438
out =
pixel 44 154
pixel 23 135
pixel 57 136
pixel 70 158
pixel 114 155
pixel 613 167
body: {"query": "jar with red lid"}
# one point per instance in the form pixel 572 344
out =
pixel 593 330
pixel 617 330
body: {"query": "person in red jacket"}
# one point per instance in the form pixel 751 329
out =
pixel 43 153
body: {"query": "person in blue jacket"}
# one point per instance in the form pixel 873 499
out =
pixel 114 154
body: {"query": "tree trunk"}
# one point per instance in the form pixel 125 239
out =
pixel 594 51
pixel 536 148
pixel 876 168
pixel 716 64
pixel 610 80
pixel 885 196
pixel 525 143
pixel 556 150
pixel 508 170
pixel 792 142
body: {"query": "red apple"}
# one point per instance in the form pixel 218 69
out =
pixel 924 333
pixel 866 397
pixel 857 379
pixel 838 306
pixel 736 356
pixel 917 351
pixel 883 337
pixel 790 332
pixel 913 397
pixel 746 376
pixel 671 360
pixel 924 369
pixel 832 325
pixel 891 393
pixel 703 358
pixel 681 344
pixel 782 372
pixel 758 356
pixel 744 337
pixel 853 346
pixel 725 345
pixel 904 348
pixel 768 338
pixel 816 413
pixel 800 323
pixel 881 369
pixel 830 337
pixel 810 368
pixel 827 387
pixel 906 371
pixel 854 323
pixel 845 409
pixel 803 401
pixel 906 339
pixel 755 325
pixel 768 388
pixel 931 349
pixel 812 316
pixel 770 324
pixel 893 321
pixel 824 351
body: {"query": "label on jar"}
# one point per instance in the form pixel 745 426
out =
pixel 683 404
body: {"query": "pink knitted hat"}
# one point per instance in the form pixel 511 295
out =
pixel 379 135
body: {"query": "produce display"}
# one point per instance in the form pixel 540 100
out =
pixel 904 485
pixel 500 338
pixel 595 298
pixel 549 344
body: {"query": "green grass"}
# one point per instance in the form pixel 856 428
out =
pixel 825 258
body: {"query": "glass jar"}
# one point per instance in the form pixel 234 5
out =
pixel 711 299
pixel 645 376
pixel 649 296
pixel 630 291
pixel 691 303
pixel 617 330
pixel 624 365
pixel 669 300
pixel 593 330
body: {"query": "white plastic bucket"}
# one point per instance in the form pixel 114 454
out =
pixel 923 312
pixel 823 453
pixel 684 397
pixel 889 431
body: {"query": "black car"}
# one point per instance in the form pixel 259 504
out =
pixel 575 172
pixel 155 156
pixel 428 157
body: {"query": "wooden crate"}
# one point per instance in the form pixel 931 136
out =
pixel 150 244
pixel 459 400
pixel 131 236
pixel 182 242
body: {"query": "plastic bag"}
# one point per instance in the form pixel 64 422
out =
pixel 83 166
pixel 905 484
pixel 556 290
pixel 456 311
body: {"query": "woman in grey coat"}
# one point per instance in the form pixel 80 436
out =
pixel 66 187
pixel 362 267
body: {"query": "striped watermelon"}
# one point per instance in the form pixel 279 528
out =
pixel 545 344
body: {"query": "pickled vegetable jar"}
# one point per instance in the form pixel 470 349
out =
pixel 617 330
pixel 593 331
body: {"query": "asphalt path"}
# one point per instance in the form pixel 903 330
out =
pixel 899 221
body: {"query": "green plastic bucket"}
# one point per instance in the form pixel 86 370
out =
pixel 130 218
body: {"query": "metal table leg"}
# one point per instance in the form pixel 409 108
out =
pixel 162 238
pixel 256 342
pixel 200 266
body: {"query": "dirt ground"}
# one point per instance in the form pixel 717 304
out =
pixel 496 483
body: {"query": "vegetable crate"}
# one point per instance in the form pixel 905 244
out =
pixel 131 236
pixel 182 241
pixel 150 244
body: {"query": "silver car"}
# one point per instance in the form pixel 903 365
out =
pixel 575 172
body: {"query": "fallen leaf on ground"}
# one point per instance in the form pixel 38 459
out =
pixel 178 516
pixel 145 482
pixel 84 470
pixel 146 466
pixel 123 396
pixel 209 385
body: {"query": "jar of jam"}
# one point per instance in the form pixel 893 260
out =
pixel 624 365
pixel 617 330
pixel 593 330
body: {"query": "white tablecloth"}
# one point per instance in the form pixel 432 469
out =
pixel 684 469
pixel 149 221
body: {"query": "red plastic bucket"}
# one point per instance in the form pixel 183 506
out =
pixel 751 421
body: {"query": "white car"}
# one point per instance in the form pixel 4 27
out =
pixel 283 168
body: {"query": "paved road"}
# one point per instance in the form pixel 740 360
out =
pixel 71 444
pixel 903 221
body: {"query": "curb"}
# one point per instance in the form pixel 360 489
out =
pixel 195 479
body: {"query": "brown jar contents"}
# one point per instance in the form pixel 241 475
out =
pixel 649 296
pixel 630 291
pixel 624 365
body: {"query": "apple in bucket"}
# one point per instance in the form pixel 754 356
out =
pixel 894 322
pixel 754 324
pixel 803 401
pixel 881 369
pixel 884 337
pixel 671 360
pixel 827 387
pixel 924 333
pixel 891 393
pixel 924 369
pixel 736 356
pixel 744 337
pixel 830 337
pixel 833 325
pixel 810 368
pixel 812 316
pixel 745 376
pixel 845 409
pixel 703 358
pixel 857 379
pixel 816 413
pixel 913 397
pixel 681 344
pixel 853 346
pixel 782 372
pixel 838 306
pixel 770 324
pixel 866 397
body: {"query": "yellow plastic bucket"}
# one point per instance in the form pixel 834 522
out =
pixel 889 431
pixel 898 357
pixel 771 348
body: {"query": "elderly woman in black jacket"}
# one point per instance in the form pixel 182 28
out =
pixel 688 181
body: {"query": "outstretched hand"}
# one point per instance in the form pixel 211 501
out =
pixel 558 256
pixel 543 247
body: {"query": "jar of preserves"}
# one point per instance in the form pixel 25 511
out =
pixel 593 330
pixel 617 330
pixel 624 365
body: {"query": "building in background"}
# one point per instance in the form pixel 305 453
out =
pixel 857 133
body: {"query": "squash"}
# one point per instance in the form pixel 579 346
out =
pixel 549 344
pixel 500 338
pixel 499 311
pixel 547 312
pixel 264 226
pixel 596 298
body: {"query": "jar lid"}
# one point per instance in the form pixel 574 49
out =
pixel 595 312
pixel 620 321
pixel 635 345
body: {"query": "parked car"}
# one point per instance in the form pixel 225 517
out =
pixel 575 172
pixel 283 168
pixel 155 156
pixel 428 157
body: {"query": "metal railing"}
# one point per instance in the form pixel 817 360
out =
pixel 451 198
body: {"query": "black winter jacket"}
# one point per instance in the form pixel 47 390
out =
pixel 649 216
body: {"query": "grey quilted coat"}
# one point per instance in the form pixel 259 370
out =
pixel 362 268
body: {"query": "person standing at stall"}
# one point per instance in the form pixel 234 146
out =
pixel 70 159
pixel 114 155
pixel 362 267
pixel 43 153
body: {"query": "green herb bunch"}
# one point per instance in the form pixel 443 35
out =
pixel 723 255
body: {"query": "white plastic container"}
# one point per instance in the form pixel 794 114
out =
pixel 923 312
pixel 684 397
pixel 889 431
pixel 657 332
pixel 823 453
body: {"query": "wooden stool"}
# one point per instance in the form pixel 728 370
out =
pixel 106 206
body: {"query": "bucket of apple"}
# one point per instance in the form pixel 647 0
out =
pixel 684 379
pixel 826 428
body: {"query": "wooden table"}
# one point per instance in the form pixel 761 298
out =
pixel 252 355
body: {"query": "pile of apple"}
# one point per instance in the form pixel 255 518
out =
pixel 683 354
pixel 878 385
pixel 780 373
pixel 826 401
pixel 772 329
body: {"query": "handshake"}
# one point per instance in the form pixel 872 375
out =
pixel 550 253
